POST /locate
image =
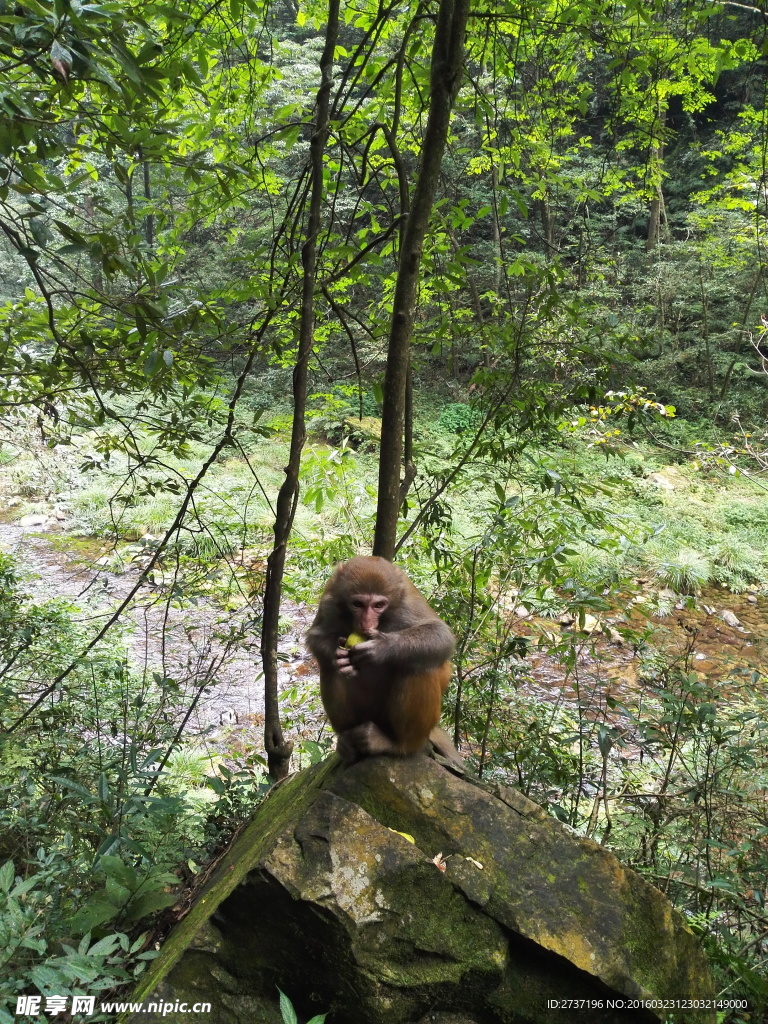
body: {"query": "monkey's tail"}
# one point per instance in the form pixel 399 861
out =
pixel 443 745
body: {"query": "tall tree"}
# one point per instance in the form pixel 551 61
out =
pixel 446 69
pixel 278 749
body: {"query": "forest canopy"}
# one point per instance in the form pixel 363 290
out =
pixel 480 286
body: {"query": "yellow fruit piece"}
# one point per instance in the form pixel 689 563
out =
pixel 353 640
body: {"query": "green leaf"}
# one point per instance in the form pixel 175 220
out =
pixel 46 978
pixel 117 893
pixel 148 52
pixel 152 364
pixel 286 1009
pixel 74 786
pixel 24 886
pixel 148 903
pixel 59 52
pixel 7 876
pixel 138 943
pixel 116 868
pixel 97 910
pixel 604 740
pixel 104 946
pixel 202 61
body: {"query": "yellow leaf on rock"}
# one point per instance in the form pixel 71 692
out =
pixel 404 835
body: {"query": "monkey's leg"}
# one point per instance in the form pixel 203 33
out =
pixel 366 740
pixel 414 709
pixel 411 711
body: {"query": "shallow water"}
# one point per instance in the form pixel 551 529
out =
pixel 188 644
pixel 693 638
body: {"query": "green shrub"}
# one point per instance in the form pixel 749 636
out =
pixel 736 564
pixel 458 418
pixel 528 744
pixel 92 825
pixel 647 493
pixel 328 411
pixel 686 571
pixel 36 951
pixel 746 514
pixel 598 568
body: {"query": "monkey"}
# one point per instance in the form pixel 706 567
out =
pixel 382 695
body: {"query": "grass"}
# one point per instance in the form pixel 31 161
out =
pixel 685 570
pixel 706 530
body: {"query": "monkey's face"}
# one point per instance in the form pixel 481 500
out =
pixel 366 610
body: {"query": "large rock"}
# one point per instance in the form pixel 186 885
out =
pixel 320 897
pixel 34 519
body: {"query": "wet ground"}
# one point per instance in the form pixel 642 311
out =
pixel 719 635
pixel 622 653
pixel 199 645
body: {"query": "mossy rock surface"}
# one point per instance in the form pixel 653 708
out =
pixel 323 897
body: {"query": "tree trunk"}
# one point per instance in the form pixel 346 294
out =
pixel 547 227
pixel 496 226
pixel 653 225
pixel 657 224
pixel 446 68
pixel 149 223
pixel 705 337
pixel 278 749
pixel 90 213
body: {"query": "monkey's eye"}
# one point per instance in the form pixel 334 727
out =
pixel 380 605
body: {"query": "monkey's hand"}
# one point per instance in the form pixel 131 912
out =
pixel 350 661
pixel 342 661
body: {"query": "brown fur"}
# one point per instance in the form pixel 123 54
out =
pixel 382 696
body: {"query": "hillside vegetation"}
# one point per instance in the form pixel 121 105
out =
pixel 480 287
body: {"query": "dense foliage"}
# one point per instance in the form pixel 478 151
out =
pixel 172 234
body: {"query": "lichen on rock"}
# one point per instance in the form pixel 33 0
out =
pixel 324 897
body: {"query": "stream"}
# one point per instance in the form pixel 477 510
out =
pixel 723 633
pixel 720 637
pixel 198 645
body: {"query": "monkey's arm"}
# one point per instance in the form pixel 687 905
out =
pixel 416 648
pixel 324 635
